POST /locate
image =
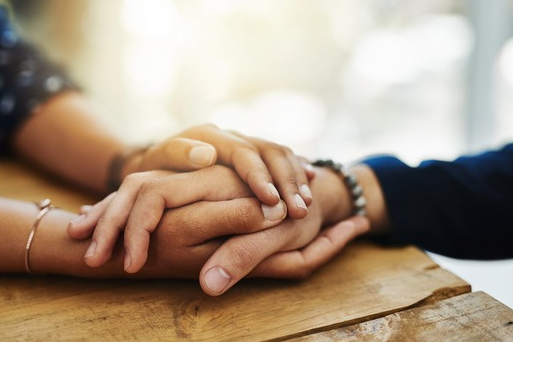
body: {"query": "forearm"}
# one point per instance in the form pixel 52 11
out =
pixel 67 138
pixel 461 208
pixel 54 252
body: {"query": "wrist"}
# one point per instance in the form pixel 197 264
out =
pixel 124 163
pixel 377 212
pixel 332 196
pixel 132 162
pixel 55 252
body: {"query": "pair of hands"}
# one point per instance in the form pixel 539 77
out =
pixel 192 214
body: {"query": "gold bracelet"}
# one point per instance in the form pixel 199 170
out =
pixel 44 207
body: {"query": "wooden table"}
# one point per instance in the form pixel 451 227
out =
pixel 368 293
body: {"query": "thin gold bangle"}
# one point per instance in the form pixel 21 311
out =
pixel 44 207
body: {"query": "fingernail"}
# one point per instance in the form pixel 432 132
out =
pixel 309 168
pixel 201 155
pixel 273 190
pixel 79 219
pixel 299 201
pixel 91 250
pixel 274 213
pixel 306 191
pixel 127 261
pixel 216 279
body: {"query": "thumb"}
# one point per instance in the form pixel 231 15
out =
pixel 179 154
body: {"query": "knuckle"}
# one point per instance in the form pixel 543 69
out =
pixel 176 227
pixel 290 182
pixel 134 179
pixel 242 216
pixel 244 254
pixel 107 225
pixel 243 149
pixel 272 146
pixel 150 186
pixel 287 151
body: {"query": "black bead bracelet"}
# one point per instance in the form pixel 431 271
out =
pixel 359 202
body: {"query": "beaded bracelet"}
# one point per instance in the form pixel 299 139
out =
pixel 44 207
pixel 359 202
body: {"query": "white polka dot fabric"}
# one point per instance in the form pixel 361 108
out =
pixel 27 79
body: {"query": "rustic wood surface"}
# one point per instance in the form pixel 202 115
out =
pixel 470 317
pixel 365 282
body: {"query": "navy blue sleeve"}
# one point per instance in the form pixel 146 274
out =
pixel 461 209
pixel 27 79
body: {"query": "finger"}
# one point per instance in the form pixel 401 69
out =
pixel 300 176
pixel 307 166
pixel 84 208
pixel 301 263
pixel 204 221
pixel 154 196
pixel 251 168
pixel 288 174
pixel 179 154
pixel 83 226
pixel 235 151
pixel 240 254
pixel 112 220
pixel 288 186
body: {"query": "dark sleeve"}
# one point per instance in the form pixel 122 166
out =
pixel 461 209
pixel 27 79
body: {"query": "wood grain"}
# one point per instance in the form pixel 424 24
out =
pixel 471 317
pixel 365 282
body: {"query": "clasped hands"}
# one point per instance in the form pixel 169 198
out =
pixel 251 209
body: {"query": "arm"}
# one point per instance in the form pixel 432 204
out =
pixel 172 253
pixel 461 208
pixel 68 139
pixel 53 252
pixel 50 240
pixel 45 119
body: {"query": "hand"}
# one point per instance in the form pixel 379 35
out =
pixel 139 204
pixel 183 241
pixel 270 170
pixel 175 254
pixel 292 248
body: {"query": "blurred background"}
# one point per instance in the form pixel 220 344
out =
pixel 342 79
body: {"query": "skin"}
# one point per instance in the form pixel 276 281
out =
pixel 242 254
pixel 291 249
pixel 175 254
pixel 67 138
pixel 144 198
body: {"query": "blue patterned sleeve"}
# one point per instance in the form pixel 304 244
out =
pixel 27 79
